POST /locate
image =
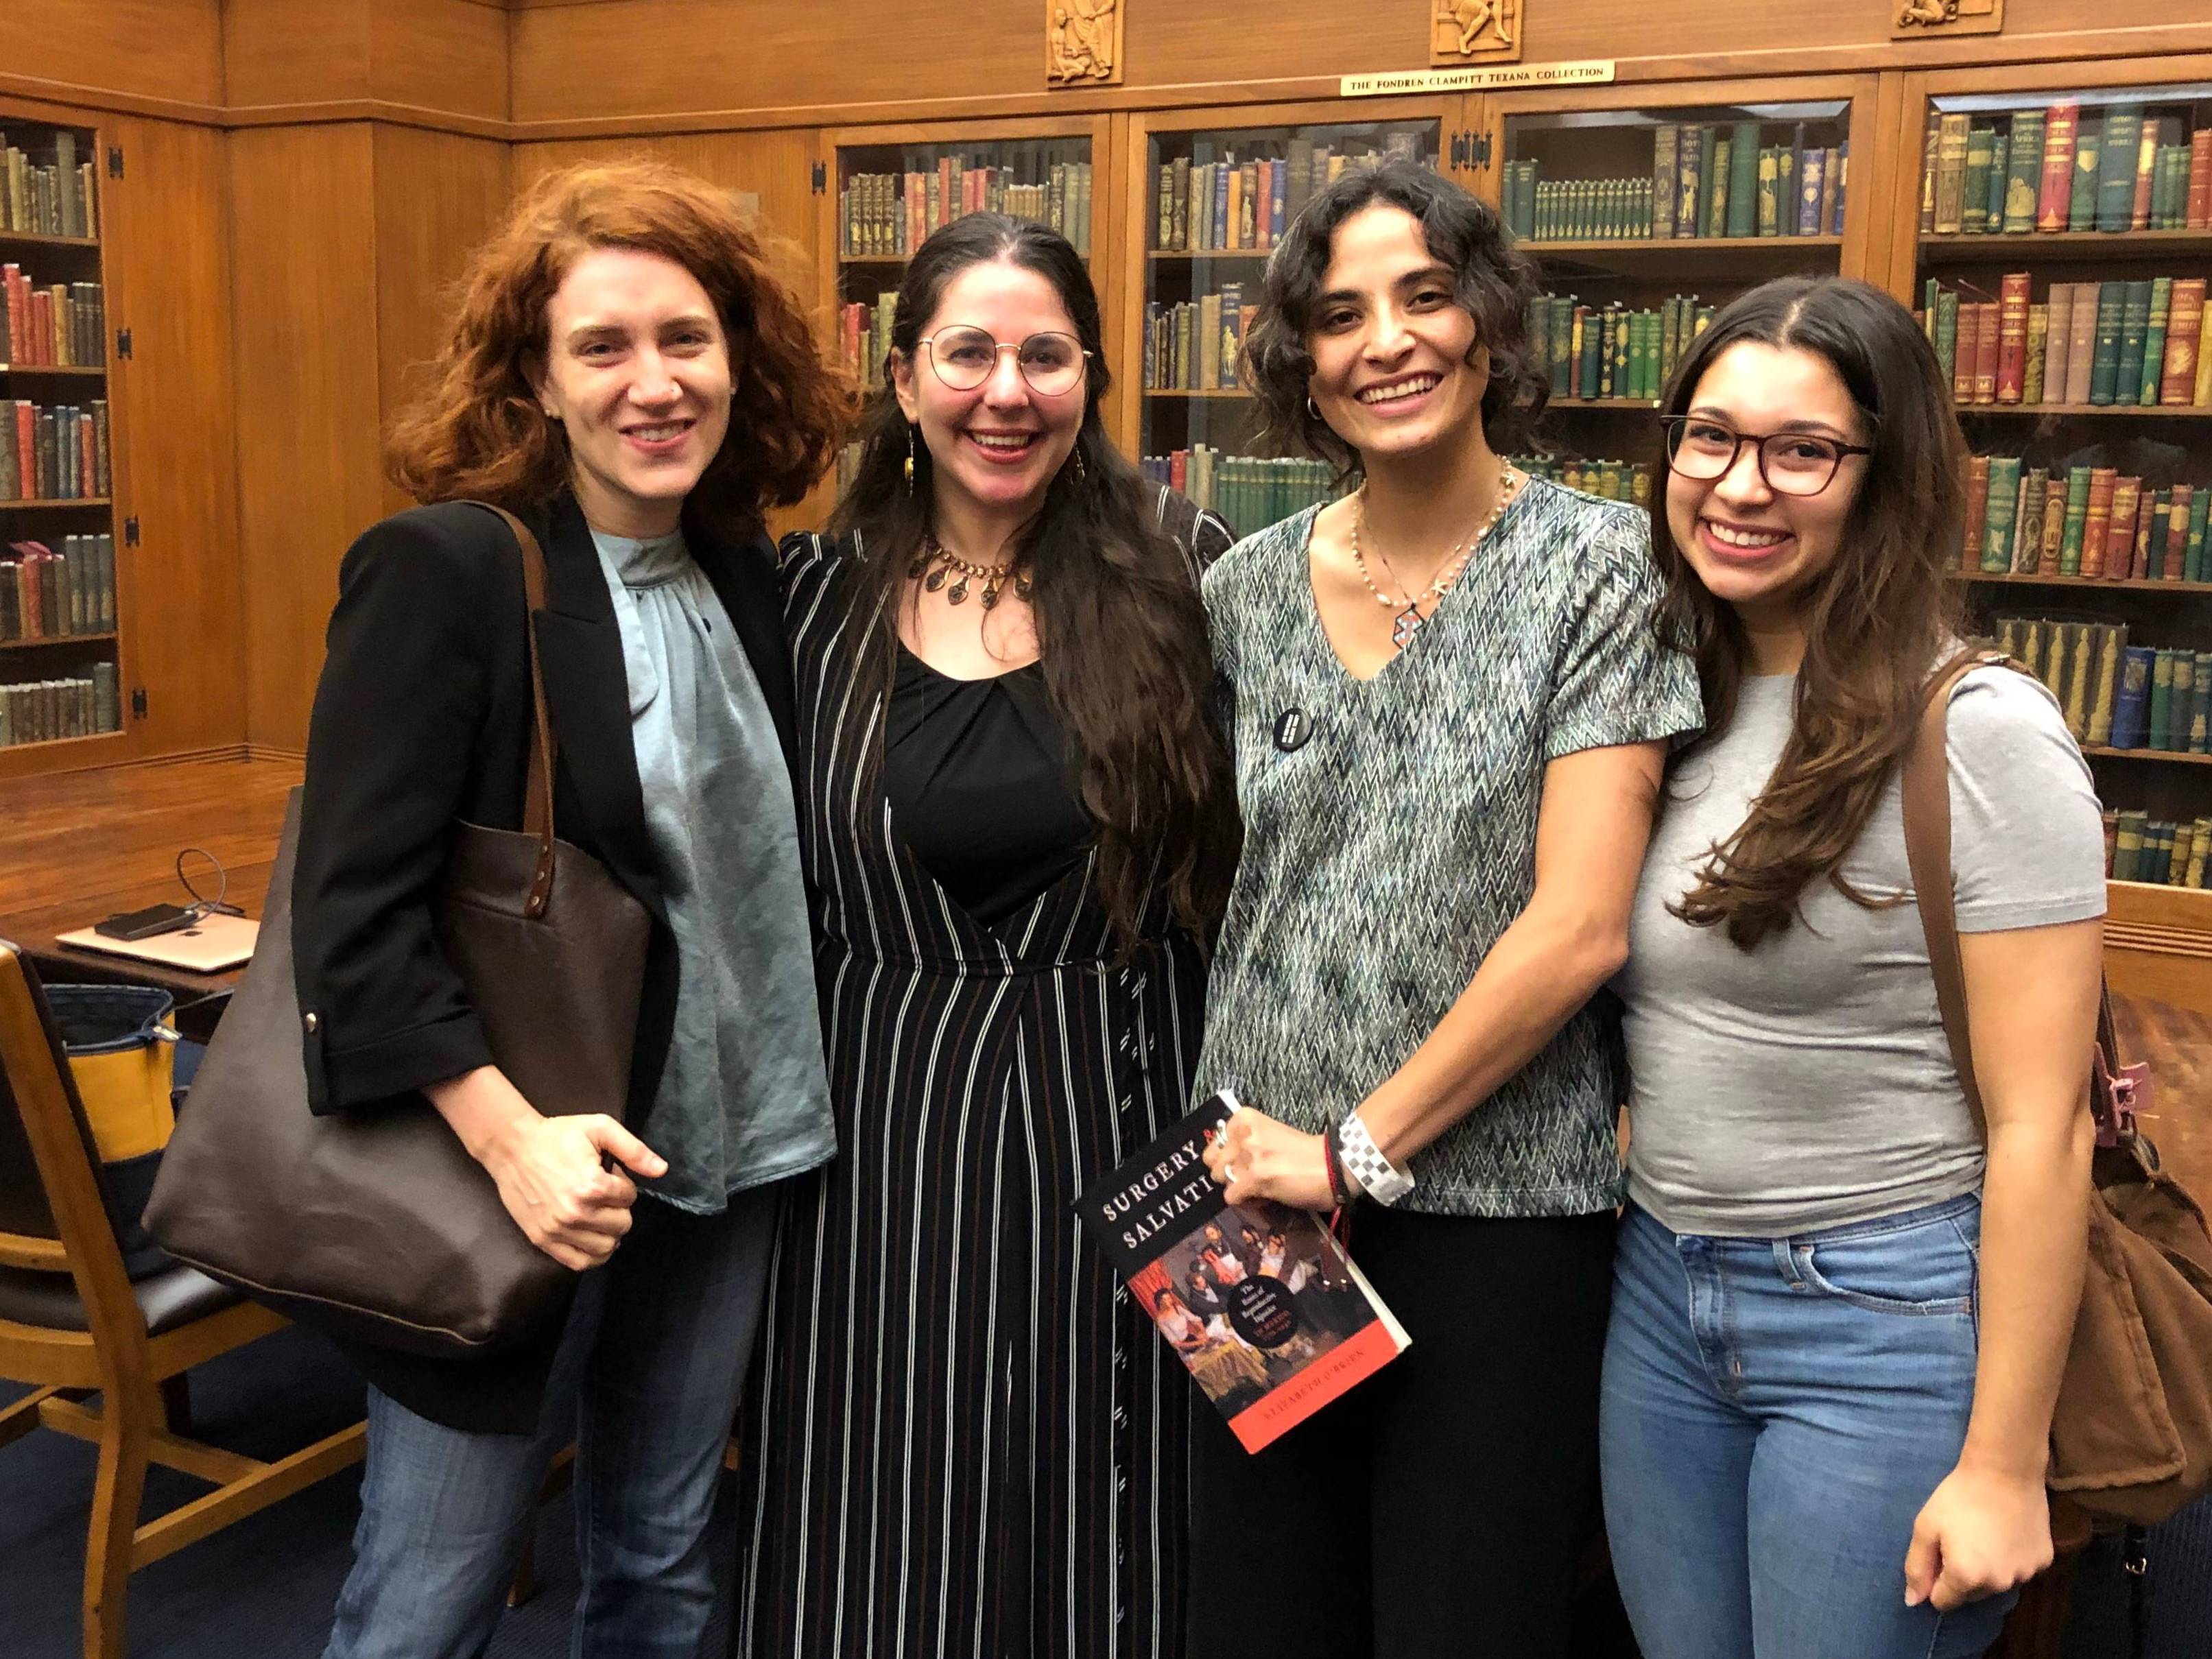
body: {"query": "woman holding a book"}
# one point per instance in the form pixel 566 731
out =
pixel 627 377
pixel 1450 715
pixel 1018 823
pixel 1840 1318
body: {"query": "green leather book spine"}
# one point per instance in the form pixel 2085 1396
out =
pixel 2152 375
pixel 1974 213
pixel 1716 199
pixel 2105 365
pixel 2134 326
pixel 2082 195
pixel 2200 512
pixel 1999 515
pixel 2077 516
pixel 2023 172
pixel 2162 702
pixel 1743 179
pixel 2116 166
pixel 1993 208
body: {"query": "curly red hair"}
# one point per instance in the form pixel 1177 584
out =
pixel 479 432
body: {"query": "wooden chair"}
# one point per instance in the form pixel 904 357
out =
pixel 72 1323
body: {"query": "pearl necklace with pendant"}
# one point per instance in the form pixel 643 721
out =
pixel 949 565
pixel 1409 620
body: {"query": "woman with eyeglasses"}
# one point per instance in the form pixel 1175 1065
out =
pixel 1838 1328
pixel 1018 824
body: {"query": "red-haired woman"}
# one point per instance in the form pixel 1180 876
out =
pixel 625 375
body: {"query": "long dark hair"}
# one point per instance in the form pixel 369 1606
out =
pixel 1119 622
pixel 1875 620
pixel 1492 281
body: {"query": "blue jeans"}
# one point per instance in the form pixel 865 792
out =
pixel 1773 1414
pixel 648 1376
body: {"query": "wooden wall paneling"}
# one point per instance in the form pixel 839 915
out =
pixel 437 197
pixel 179 591
pixel 1867 230
pixel 660 56
pixel 439 54
pixel 305 296
pixel 168 49
pixel 2158 943
pixel 295 51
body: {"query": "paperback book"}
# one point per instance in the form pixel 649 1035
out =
pixel 1269 1315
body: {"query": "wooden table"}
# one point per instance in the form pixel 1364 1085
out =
pixel 79 846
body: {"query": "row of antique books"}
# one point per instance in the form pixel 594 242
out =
pixel 1614 481
pixel 63 326
pixel 2163 852
pixel 58 453
pixel 864 337
pixel 2116 695
pixel 887 215
pixel 1192 345
pixel 46 595
pixel 2090 522
pixel 51 199
pixel 1610 351
pixel 2112 168
pixel 47 711
pixel 1251 492
pixel 2127 343
pixel 1705 181
pixel 1241 199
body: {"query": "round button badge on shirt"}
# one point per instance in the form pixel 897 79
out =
pixel 1292 727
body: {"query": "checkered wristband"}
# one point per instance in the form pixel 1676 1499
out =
pixel 1364 1163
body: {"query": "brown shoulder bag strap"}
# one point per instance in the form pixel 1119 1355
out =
pixel 1926 786
pixel 537 791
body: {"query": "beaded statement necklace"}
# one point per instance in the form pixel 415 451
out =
pixel 942 565
pixel 1409 620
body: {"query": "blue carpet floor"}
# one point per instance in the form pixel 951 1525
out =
pixel 263 1588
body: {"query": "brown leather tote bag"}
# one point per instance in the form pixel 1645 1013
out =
pixel 2131 1441
pixel 376 1224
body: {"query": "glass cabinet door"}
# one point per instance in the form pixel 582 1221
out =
pixel 1218 200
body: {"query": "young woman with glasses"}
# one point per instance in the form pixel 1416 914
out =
pixel 1018 824
pixel 1838 1328
pixel 1450 712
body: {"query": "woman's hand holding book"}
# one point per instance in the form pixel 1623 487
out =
pixel 1256 1157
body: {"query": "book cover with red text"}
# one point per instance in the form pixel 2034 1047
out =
pixel 1269 1315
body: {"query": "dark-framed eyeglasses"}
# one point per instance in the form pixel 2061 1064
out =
pixel 1792 463
pixel 963 357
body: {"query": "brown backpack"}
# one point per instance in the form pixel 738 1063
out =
pixel 2131 1440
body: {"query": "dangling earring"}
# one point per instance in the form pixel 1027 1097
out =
pixel 1080 470
pixel 909 460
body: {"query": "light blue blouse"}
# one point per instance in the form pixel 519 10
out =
pixel 743 1096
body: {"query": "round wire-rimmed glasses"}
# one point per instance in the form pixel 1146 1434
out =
pixel 963 357
pixel 1791 463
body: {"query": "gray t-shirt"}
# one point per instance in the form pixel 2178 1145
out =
pixel 1390 832
pixel 1806 1084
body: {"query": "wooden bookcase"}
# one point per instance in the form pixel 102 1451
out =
pixel 63 625
pixel 1192 274
pixel 1577 160
pixel 1062 168
pixel 2063 434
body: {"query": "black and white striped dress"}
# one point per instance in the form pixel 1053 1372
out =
pixel 964 1441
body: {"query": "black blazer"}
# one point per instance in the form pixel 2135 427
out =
pixel 422 717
